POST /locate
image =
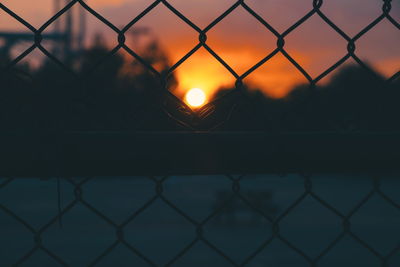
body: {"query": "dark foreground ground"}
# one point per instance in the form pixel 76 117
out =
pixel 160 233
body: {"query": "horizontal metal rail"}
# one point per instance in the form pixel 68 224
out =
pixel 132 153
pixel 29 36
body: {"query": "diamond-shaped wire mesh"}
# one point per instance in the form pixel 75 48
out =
pixel 223 220
pixel 234 205
pixel 179 111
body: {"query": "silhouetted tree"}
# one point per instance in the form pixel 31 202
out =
pixel 116 92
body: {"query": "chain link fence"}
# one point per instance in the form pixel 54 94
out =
pixel 244 207
pixel 223 221
pixel 174 107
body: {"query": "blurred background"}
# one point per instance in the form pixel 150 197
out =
pixel 81 77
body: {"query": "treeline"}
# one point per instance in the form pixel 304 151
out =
pixel 355 99
pixel 121 94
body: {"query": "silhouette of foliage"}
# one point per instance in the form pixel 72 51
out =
pixel 118 93
pixel 354 99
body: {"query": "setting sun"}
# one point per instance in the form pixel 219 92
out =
pixel 195 97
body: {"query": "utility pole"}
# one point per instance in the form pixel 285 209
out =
pixel 68 33
pixel 62 34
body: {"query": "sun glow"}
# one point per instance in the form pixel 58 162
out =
pixel 195 97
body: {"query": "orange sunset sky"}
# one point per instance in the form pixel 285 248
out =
pixel 240 39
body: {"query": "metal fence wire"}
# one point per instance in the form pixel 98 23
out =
pixel 270 217
pixel 266 217
pixel 120 34
pixel 270 231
